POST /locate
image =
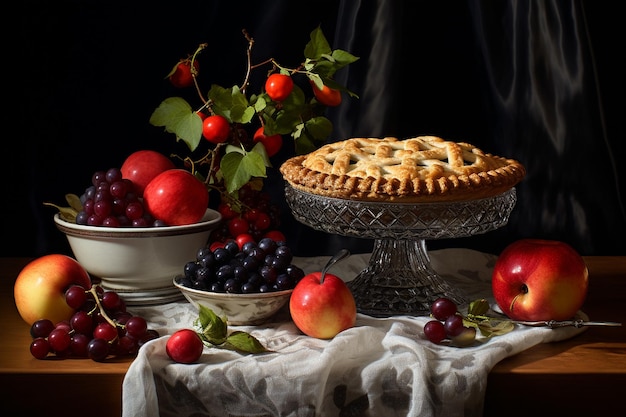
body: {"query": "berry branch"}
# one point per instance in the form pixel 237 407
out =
pixel 281 108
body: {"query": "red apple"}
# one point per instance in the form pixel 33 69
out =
pixel 539 280
pixel 39 289
pixel 322 309
pixel 177 197
pixel 142 166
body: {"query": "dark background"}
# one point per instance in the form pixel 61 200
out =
pixel 541 82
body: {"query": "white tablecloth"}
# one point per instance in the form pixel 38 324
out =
pixel 380 367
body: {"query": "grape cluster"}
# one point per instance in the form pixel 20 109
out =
pixel 100 327
pixel 111 201
pixel 448 324
pixel 252 216
pixel 255 268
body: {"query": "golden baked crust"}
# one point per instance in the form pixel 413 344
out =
pixel 420 169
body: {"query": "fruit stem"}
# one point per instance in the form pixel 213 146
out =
pixel 92 290
pixel 342 254
pixel 194 73
pixel 513 302
pixel 246 80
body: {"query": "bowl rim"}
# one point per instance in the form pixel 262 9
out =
pixel 230 296
pixel 209 221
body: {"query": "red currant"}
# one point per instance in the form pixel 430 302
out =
pixel 327 96
pixel 181 76
pixel 271 143
pixel 215 129
pixel 263 221
pixel 226 211
pixel 278 86
pixel 184 346
pixel 238 226
pixel 276 236
pixel 244 238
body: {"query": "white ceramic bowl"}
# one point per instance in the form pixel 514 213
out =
pixel 138 263
pixel 239 309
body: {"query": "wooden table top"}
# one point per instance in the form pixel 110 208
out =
pixel 579 376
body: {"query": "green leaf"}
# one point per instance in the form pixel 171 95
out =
pixel 295 100
pixel 325 69
pixel 222 99
pixel 240 114
pixel 500 327
pixel 478 307
pixel 213 328
pixel 291 112
pixel 317 80
pixel 319 57
pixel 284 122
pixel 66 213
pixel 259 148
pixel 238 169
pixel 317 46
pixel 488 326
pixel 309 64
pixel 245 342
pixel 298 131
pixel 177 116
pixel 240 109
pixel 253 162
pixel 260 104
pixel 231 103
pixel 319 128
pixel 74 201
pixel 233 148
pixel 343 58
pixel 304 142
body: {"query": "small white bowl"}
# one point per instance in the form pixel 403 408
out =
pixel 239 309
pixel 138 263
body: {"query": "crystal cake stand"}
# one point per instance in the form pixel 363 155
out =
pixel 399 279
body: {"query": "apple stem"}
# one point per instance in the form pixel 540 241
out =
pixel 513 302
pixel 342 254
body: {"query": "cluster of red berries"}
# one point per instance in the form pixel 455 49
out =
pixel 100 327
pixel 448 324
pixel 258 217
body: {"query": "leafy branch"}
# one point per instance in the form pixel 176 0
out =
pixel 488 326
pixel 300 116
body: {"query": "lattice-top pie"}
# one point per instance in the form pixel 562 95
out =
pixel 420 169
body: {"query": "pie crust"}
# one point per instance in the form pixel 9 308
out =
pixel 420 169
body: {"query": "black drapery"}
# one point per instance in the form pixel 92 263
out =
pixel 535 81
pixel 518 79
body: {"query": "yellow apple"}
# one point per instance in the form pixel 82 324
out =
pixel 39 289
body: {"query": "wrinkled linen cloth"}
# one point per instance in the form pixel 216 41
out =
pixel 380 367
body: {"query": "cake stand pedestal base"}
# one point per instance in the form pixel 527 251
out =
pixel 400 281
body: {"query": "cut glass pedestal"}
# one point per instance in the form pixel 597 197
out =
pixel 399 279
